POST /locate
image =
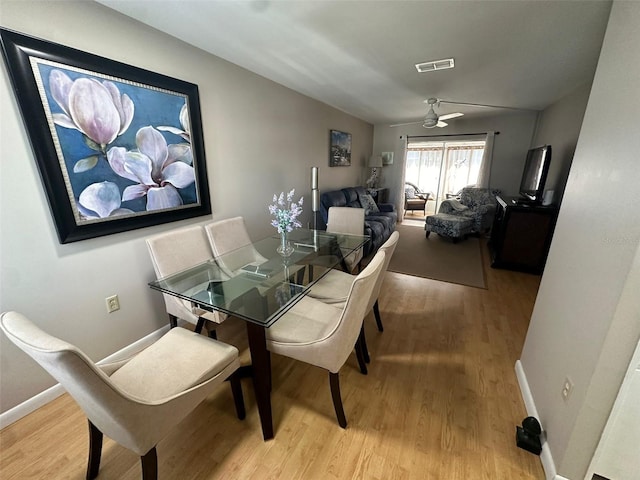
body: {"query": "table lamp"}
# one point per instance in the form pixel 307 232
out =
pixel 375 162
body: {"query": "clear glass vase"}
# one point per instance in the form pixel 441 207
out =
pixel 285 248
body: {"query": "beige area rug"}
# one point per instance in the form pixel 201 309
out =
pixel 438 258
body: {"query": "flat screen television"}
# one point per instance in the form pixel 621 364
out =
pixel 534 176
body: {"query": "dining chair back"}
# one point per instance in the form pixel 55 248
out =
pixel 388 248
pixel 172 252
pixel 323 335
pixel 229 237
pixel 348 220
pixel 333 287
pixel 137 401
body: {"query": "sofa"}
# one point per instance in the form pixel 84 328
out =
pixel 379 225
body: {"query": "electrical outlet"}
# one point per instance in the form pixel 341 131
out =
pixel 567 388
pixel 113 303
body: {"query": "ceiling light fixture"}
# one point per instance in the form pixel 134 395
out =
pixel 434 65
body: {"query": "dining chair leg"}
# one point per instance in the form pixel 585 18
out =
pixel 360 357
pixel 150 465
pixel 173 321
pixel 211 330
pixel 310 273
pixel 376 312
pixel 334 382
pixel 199 325
pixel 363 342
pixel 238 398
pixel 95 451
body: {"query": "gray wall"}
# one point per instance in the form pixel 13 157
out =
pixel 260 138
pixel 585 322
pixel 559 126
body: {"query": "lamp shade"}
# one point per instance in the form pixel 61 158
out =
pixel 375 161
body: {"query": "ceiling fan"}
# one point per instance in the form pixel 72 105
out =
pixel 433 119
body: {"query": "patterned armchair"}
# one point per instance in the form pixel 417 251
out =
pixel 479 204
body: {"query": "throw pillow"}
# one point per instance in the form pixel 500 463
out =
pixel 410 192
pixel 369 204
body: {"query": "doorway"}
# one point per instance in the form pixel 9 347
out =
pixel 443 168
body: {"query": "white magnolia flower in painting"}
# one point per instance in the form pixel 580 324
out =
pixel 184 121
pixel 157 168
pixel 101 200
pixel 97 109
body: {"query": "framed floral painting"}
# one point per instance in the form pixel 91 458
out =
pixel 117 147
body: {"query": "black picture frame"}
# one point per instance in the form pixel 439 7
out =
pixel 339 149
pixel 61 95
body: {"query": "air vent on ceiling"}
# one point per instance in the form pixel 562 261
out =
pixel 435 65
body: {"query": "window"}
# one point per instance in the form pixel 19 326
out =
pixel 443 168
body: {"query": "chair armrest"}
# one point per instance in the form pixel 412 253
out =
pixel 445 207
pixel 486 208
pixel 453 206
pixel 386 207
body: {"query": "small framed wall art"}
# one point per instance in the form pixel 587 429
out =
pixel 387 158
pixel 339 149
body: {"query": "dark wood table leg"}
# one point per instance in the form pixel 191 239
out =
pixel 261 366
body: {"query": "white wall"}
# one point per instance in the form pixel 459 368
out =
pixel 510 148
pixel 581 305
pixel 559 126
pixel 260 138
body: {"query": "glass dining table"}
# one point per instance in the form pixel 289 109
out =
pixel 256 284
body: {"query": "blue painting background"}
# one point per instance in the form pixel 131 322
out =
pixel 152 108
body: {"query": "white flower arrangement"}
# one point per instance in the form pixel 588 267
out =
pixel 286 212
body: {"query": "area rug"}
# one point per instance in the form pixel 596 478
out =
pixel 438 258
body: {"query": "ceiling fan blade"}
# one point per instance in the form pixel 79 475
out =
pixel 401 124
pixel 441 124
pixel 487 106
pixel 451 115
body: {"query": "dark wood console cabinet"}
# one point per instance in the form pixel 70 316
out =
pixel 521 235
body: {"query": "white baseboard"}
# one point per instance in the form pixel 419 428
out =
pixel 41 399
pixel 548 464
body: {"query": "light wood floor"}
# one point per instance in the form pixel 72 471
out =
pixel 441 401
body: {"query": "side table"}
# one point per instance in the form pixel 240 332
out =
pixel 380 195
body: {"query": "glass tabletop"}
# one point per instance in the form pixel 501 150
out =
pixel 255 282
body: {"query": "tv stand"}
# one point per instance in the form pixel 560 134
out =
pixel 521 234
pixel 523 201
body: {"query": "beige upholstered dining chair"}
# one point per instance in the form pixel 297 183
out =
pixel 135 402
pixel 230 235
pixel 324 335
pixel 172 252
pixel 333 286
pixel 348 220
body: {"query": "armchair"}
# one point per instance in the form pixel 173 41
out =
pixel 473 213
pixel 414 198
pixel 482 207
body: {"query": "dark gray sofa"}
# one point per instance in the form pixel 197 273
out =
pixel 379 226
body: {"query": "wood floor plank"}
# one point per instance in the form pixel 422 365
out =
pixel 441 401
